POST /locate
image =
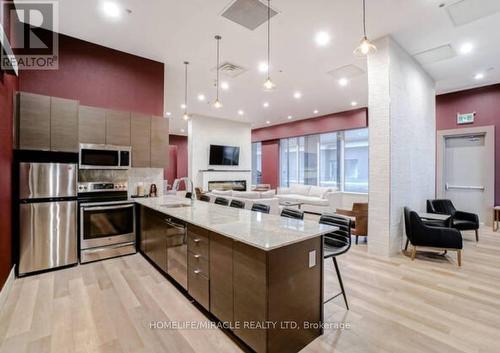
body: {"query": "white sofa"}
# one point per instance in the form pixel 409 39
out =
pixel 315 199
pixel 249 198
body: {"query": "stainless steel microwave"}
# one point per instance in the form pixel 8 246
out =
pixel 93 156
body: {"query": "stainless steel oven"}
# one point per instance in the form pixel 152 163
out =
pixel 93 156
pixel 107 221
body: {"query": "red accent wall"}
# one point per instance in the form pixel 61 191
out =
pixel 8 87
pixel 270 162
pixel 351 119
pixel 100 76
pixel 485 101
pixel 178 150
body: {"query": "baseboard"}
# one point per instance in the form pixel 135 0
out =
pixel 4 293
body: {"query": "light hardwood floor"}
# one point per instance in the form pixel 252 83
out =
pixel 429 305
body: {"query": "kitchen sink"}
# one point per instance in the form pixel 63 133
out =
pixel 175 205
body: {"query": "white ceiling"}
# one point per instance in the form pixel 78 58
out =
pixel 173 31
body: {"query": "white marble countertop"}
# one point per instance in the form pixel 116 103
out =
pixel 264 231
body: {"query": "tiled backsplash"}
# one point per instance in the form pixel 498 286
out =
pixel 146 176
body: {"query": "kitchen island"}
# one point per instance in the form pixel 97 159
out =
pixel 260 275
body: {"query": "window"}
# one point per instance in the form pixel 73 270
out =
pixel 256 163
pixel 336 159
pixel 356 160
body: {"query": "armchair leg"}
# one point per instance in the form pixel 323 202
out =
pixel 477 235
pixel 406 246
pixel 459 257
pixel 413 252
pixel 357 240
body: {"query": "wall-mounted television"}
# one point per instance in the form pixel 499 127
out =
pixel 224 155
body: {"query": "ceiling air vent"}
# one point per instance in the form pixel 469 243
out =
pixel 467 11
pixel 348 71
pixel 230 70
pixel 247 13
pixel 436 54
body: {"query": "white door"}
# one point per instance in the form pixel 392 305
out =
pixel 464 174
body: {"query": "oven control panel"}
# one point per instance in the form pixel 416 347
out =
pixel 101 186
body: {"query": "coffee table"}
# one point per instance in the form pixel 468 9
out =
pixel 297 204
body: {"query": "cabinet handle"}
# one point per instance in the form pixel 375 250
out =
pixel 197 256
pixel 196 240
pixel 196 271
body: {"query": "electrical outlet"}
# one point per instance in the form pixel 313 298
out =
pixel 312 258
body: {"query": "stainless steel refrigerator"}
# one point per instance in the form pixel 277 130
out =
pixel 48 216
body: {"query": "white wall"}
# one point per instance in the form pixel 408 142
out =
pixel 402 143
pixel 205 131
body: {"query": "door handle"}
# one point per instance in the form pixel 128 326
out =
pixel 462 187
pixel 196 240
pixel 196 271
pixel 197 256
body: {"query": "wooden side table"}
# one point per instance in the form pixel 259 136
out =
pixel 496 217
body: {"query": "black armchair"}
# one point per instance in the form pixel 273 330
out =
pixel 438 238
pixel 459 220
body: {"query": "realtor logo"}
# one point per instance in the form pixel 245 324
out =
pixel 34 27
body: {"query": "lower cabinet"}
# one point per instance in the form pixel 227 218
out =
pixel 221 277
pixel 198 260
pixel 154 237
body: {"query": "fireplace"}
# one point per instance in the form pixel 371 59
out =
pixel 236 185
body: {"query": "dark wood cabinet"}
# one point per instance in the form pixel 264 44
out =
pixel 117 128
pixel 159 142
pixel 34 121
pixel 154 237
pixel 91 125
pixel 140 140
pixel 221 277
pixel 63 125
pixel 198 265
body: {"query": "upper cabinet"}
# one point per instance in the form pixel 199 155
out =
pixel 91 125
pixel 63 125
pixel 117 128
pixel 140 138
pixel 159 142
pixel 33 121
pixel 58 124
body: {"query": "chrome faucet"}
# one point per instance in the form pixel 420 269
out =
pixel 186 181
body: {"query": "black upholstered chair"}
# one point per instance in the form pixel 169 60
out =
pixel 292 213
pixel 459 220
pixel 221 201
pixel 189 195
pixel 204 198
pixel 438 238
pixel 335 244
pixel 260 207
pixel 237 204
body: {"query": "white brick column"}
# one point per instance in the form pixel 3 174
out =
pixel 402 126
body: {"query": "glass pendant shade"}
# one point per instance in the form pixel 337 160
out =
pixel 217 104
pixel 365 48
pixel 269 85
pixel 185 116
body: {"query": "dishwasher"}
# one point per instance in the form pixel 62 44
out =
pixel 177 250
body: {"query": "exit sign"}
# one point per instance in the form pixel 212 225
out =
pixel 467 118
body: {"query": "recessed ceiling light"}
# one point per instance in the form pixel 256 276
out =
pixel 354 103
pixel 183 106
pixel 224 85
pixel 322 38
pixel 316 111
pixel 265 105
pixel 111 9
pixel 466 48
pixel 201 97
pixel 182 130
pixel 290 117
pixel 241 112
pixel 343 81
pixel 479 76
pixel 268 122
pixel 263 67
pixel 297 95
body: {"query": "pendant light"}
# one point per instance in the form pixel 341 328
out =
pixel 269 84
pixel 366 47
pixel 217 103
pixel 186 115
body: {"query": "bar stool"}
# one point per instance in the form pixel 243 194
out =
pixel 237 204
pixel 337 243
pixel 204 198
pixel 260 207
pixel 221 201
pixel 292 213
